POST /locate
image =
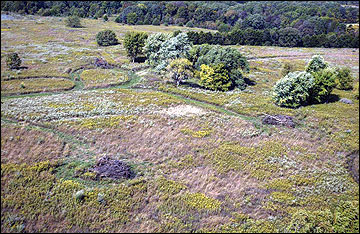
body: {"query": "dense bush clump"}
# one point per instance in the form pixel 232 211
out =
pixel 13 61
pixel 215 77
pixel 344 80
pixel 106 38
pixel 231 59
pixel 294 89
pixel 73 22
pixel 316 63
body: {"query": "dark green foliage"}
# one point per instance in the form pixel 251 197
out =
pixel 289 37
pixel 237 79
pixel 134 43
pixel 13 61
pixel 73 21
pixel 197 51
pixel 106 38
pixel 344 79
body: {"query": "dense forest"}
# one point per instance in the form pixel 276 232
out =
pixel 281 23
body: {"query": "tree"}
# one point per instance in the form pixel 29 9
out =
pixel 13 61
pixel 289 37
pixel 294 89
pixel 180 70
pixel 215 77
pixel 73 22
pixel 152 46
pixel 160 53
pixel 106 38
pixel 230 57
pixel 134 43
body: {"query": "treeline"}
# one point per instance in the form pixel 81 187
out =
pixel 286 37
pixel 313 21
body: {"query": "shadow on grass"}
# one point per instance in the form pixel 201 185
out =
pixel 140 59
pixel 332 98
pixel 249 82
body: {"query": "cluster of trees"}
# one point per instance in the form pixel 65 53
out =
pixel 284 23
pixel 215 67
pixel 285 37
pixel 314 85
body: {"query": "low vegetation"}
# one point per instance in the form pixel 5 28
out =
pixel 94 139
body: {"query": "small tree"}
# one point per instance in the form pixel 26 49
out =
pixel 180 69
pixel 106 38
pixel 134 43
pixel 316 63
pixel 73 22
pixel 13 61
pixel 215 77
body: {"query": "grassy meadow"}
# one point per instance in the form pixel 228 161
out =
pixel 203 161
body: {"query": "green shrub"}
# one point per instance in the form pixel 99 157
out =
pixel 294 89
pixel 13 61
pixel 324 83
pixel 73 22
pixel 106 38
pixel 344 79
pixel 215 77
pixel 316 63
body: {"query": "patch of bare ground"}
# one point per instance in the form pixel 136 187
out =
pixel 21 145
pixel 183 110
pixel 353 165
